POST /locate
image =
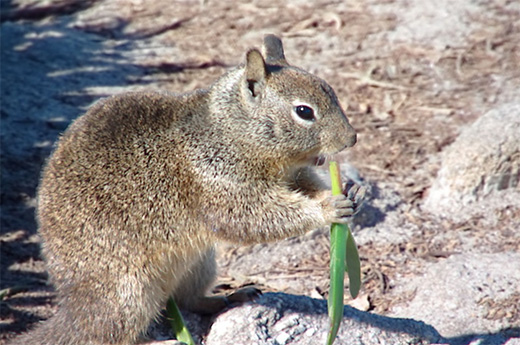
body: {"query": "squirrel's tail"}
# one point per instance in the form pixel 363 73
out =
pixel 94 329
pixel 58 330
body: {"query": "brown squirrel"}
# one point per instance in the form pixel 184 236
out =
pixel 141 187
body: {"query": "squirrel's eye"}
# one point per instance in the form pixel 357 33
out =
pixel 304 112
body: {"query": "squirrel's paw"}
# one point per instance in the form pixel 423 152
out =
pixel 243 295
pixel 339 208
pixel 356 194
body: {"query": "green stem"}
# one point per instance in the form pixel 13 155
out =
pixel 177 323
pixel 343 257
pixel 338 238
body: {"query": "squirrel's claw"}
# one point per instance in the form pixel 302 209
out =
pixel 355 193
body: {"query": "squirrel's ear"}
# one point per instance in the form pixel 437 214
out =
pixel 273 50
pixel 255 72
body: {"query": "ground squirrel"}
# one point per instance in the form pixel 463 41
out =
pixel 141 187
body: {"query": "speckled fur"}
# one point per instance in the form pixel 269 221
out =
pixel 141 187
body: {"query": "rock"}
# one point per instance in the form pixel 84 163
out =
pixel 467 294
pixel 513 341
pixel 483 161
pixel 420 22
pixel 278 318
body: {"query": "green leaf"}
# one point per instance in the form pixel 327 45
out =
pixel 177 323
pixel 338 238
pixel 353 266
pixel 344 257
pixel 337 276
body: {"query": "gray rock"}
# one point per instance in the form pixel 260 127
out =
pixel 513 341
pixel 483 160
pixel 459 296
pixel 278 319
pixel 425 22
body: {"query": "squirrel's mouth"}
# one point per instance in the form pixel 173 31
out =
pixel 319 160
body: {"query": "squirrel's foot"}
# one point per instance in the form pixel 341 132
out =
pixel 243 295
pixel 215 304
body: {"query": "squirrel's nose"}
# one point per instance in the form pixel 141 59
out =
pixel 351 137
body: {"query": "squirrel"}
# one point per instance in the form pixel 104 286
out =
pixel 140 189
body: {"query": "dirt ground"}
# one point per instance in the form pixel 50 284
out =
pixel 410 78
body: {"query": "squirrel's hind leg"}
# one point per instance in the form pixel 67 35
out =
pixel 191 292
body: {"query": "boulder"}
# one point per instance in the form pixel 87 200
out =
pixel 283 319
pixel 470 295
pixel 482 165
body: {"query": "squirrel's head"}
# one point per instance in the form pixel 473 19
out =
pixel 293 113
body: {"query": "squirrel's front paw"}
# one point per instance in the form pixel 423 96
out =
pixel 355 193
pixel 339 208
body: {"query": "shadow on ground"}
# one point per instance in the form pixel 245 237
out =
pixel 50 73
